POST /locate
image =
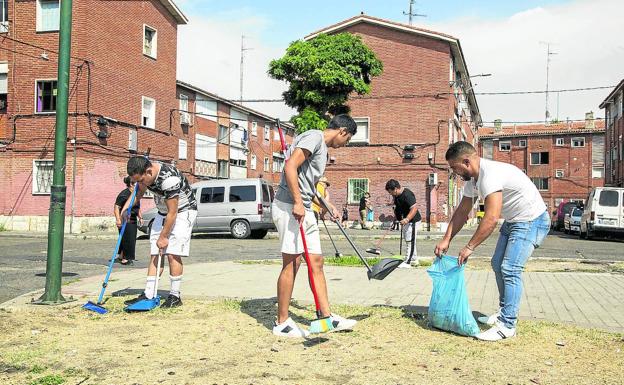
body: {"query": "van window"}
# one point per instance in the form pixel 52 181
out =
pixel 211 195
pixel 577 212
pixel 272 193
pixel 608 198
pixel 265 194
pixel 243 194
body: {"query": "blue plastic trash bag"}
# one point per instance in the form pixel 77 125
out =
pixel 449 308
pixel 370 216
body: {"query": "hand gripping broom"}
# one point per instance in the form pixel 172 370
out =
pixel 321 324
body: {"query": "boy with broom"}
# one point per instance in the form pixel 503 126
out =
pixel 292 208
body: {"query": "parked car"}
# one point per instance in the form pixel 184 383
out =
pixel 572 221
pixel 603 213
pixel 562 210
pixel 240 206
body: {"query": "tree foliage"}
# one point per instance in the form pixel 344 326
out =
pixel 321 73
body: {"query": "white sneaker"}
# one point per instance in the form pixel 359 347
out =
pixel 404 265
pixel 496 333
pixel 289 328
pixel 341 323
pixel 489 320
pixel 415 262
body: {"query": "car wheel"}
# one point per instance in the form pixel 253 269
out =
pixel 259 234
pixel 240 229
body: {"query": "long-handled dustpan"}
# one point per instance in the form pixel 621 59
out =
pixel 378 271
pixel 148 303
pixel 97 306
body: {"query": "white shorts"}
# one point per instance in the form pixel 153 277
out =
pixel 288 229
pixel 180 236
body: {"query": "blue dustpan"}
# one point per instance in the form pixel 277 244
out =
pixel 95 307
pixel 144 305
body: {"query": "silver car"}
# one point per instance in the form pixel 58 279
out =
pixel 240 206
pixel 572 221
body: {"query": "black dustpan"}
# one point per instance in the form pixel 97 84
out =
pixel 384 267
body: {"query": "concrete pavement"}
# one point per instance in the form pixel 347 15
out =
pixel 583 299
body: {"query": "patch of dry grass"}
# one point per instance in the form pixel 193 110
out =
pixel 230 342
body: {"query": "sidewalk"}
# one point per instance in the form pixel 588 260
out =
pixel 583 299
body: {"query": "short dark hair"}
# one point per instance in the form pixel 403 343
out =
pixel 343 120
pixel 458 149
pixel 137 165
pixel 127 180
pixel 392 184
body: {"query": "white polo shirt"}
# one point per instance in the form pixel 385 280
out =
pixel 522 201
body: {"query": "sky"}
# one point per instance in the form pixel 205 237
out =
pixel 503 38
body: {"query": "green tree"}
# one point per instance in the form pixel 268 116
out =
pixel 321 73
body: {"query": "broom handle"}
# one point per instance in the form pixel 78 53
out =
pixel 121 233
pixel 303 238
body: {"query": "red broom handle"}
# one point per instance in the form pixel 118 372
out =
pixel 303 238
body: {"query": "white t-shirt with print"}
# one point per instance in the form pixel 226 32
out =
pixel 522 201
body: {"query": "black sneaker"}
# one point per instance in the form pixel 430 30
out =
pixel 171 301
pixel 135 300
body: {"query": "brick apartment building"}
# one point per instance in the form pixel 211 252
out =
pixel 421 102
pixel 614 148
pixel 564 160
pixel 230 140
pixel 123 100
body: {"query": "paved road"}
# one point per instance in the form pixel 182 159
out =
pixel 23 259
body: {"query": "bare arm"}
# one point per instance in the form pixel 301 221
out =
pixel 460 216
pixel 493 207
pixel 410 215
pixel 117 215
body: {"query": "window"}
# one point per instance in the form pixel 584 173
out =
pixel 608 198
pixel 540 183
pixel 205 148
pixel 254 128
pixel 149 41
pixel 243 194
pixel 224 134
pixel 539 158
pixel 185 117
pixel 597 172
pixel 4 16
pixel 266 196
pixel 182 147
pixel 253 162
pixel 212 195
pixel 148 115
pixel 42 176
pixel 206 108
pixel 46 96
pixel 504 145
pixel 267 166
pixel 522 143
pixel 578 142
pixel 560 142
pixel 559 173
pixel 48 15
pixel 278 163
pixel 222 169
pixel 356 188
pixel 238 157
pixel 267 132
pixel 362 134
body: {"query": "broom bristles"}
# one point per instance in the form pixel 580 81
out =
pixel 321 325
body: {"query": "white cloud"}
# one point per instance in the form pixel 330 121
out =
pixel 209 58
pixel 587 37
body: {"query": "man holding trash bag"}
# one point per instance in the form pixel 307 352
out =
pixel 510 194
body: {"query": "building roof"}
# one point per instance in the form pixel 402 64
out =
pixel 542 129
pixel 231 103
pixel 611 95
pixel 454 43
pixel 175 11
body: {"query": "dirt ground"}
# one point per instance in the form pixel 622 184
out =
pixel 229 342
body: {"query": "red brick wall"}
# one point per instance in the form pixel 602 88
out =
pixel 412 65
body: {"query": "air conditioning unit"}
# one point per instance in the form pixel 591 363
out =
pixel 185 118
pixel 432 179
pixel 559 174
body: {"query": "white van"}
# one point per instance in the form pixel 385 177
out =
pixel 240 206
pixel 603 213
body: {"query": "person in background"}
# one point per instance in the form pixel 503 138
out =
pixel 407 213
pixel 126 255
pixel 345 215
pixel 321 187
pixel 364 207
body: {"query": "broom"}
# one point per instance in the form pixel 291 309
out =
pixel 320 324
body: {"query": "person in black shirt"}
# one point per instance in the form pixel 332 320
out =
pixel 128 240
pixel 364 206
pixel 407 214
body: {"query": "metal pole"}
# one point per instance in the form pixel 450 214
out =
pixel 56 227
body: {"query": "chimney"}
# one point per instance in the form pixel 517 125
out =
pixel 589 120
pixel 498 125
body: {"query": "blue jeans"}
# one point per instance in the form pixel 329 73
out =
pixel 515 245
